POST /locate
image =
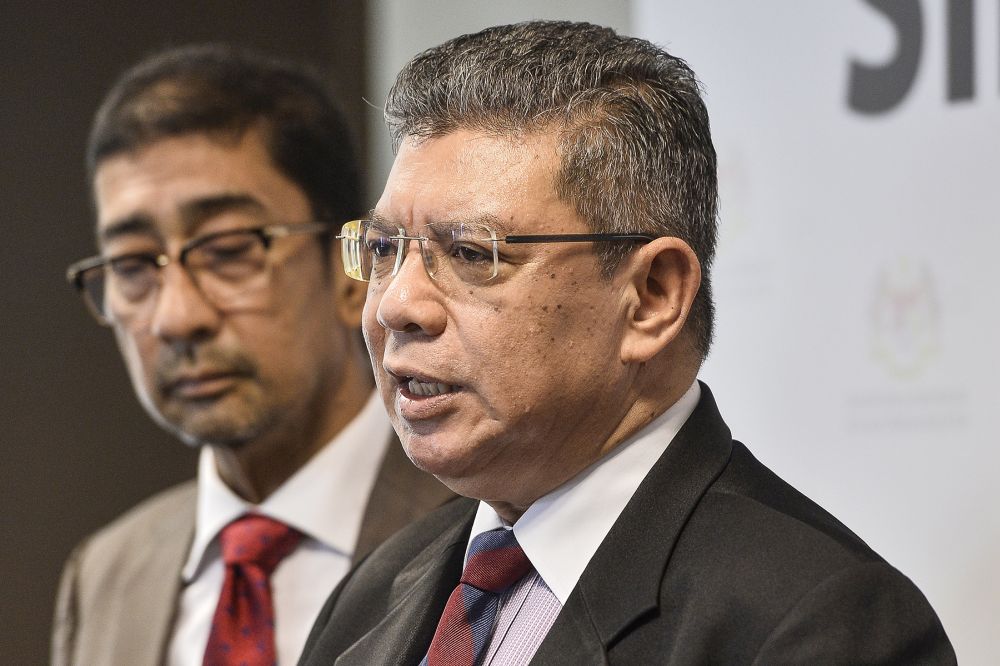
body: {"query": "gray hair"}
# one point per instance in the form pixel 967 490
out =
pixel 634 141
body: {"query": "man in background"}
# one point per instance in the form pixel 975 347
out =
pixel 220 178
pixel 538 311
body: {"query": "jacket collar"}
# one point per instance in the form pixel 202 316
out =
pixel 614 592
pixel 148 587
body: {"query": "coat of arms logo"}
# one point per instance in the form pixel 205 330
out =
pixel 905 318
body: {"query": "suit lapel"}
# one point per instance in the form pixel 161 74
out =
pixel 417 599
pixel 622 581
pixel 402 493
pixel 149 593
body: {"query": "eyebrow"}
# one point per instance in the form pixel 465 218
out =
pixel 193 214
pixel 128 226
pixel 196 211
pixel 501 227
pixel 381 220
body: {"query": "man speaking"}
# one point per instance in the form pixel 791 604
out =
pixel 538 308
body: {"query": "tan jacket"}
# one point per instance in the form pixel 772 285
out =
pixel 120 588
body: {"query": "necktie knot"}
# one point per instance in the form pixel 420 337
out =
pixel 257 540
pixel 495 561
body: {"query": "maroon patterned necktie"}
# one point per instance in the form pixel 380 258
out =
pixel 495 563
pixel 243 626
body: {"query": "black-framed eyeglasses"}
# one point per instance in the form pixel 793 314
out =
pixel 373 251
pixel 230 268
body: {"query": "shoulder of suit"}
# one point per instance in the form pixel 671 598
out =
pixel 170 514
pixel 416 537
pixel 366 595
pixel 751 520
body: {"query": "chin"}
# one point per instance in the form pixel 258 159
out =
pixel 435 456
pixel 203 429
pixel 461 466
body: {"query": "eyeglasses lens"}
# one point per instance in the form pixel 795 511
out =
pixel 230 269
pixel 372 251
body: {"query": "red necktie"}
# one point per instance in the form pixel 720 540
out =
pixel 495 563
pixel 243 627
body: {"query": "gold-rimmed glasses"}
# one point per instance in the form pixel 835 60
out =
pixel 375 251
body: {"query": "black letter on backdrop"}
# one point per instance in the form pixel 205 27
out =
pixel 961 50
pixel 880 88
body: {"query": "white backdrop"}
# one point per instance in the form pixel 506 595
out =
pixel 857 277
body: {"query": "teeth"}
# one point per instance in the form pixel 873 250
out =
pixel 418 387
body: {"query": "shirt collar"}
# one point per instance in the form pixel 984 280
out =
pixel 325 499
pixel 561 531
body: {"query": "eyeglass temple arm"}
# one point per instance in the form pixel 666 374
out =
pixel 74 272
pixel 545 238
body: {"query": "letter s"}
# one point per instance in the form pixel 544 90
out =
pixel 877 89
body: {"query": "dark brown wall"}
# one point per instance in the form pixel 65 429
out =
pixel 77 449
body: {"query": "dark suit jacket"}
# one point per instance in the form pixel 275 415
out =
pixel 715 560
pixel 120 587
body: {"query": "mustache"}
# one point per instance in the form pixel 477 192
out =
pixel 174 363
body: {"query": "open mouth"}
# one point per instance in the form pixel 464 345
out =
pixel 419 386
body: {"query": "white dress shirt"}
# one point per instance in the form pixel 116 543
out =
pixel 325 500
pixel 561 531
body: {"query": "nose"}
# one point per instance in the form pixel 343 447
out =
pixel 182 314
pixel 411 301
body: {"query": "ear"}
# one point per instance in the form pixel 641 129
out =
pixel 664 277
pixel 349 294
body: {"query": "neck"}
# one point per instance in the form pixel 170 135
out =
pixel 257 468
pixel 653 399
